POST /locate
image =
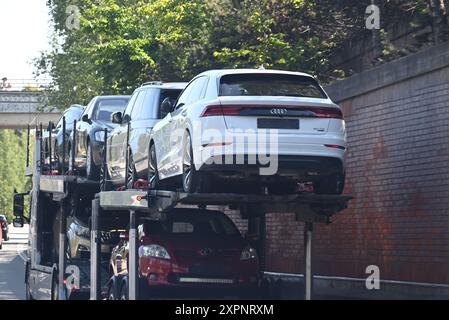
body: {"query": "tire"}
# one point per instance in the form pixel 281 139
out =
pixel 333 184
pixel 1 246
pixel 153 174
pixel 124 291
pixel 92 170
pixel 131 171
pixel 192 181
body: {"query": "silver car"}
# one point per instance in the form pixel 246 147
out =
pixel 141 114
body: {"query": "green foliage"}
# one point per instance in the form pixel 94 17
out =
pixel 12 153
pixel 121 43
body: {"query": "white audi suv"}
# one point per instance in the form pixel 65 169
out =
pixel 249 130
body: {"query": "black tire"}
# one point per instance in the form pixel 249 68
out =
pixel 333 184
pixel 153 174
pixel 124 291
pixel 92 170
pixel 1 246
pixel 192 181
pixel 282 188
pixel 132 175
pixel 70 167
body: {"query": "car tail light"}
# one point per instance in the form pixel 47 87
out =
pixel 309 112
pixel 218 110
pixel 327 113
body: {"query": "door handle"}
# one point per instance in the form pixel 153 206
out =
pixel 170 121
pixel 184 113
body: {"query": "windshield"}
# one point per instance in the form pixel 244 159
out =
pixel 106 107
pixel 270 85
pixel 198 224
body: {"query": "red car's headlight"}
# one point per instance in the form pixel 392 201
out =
pixel 155 251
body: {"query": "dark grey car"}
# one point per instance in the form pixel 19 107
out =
pixel 73 113
pixel 89 137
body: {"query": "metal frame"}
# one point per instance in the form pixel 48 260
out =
pixel 309 208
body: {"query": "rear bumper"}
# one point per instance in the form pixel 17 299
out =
pixel 290 166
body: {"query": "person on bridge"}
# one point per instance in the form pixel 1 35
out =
pixel 5 85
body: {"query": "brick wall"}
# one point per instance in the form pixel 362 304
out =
pixel 397 119
pixel 398 172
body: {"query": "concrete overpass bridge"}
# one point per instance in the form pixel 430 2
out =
pixel 19 108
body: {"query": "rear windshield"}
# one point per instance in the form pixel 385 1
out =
pixel 199 225
pixel 270 85
pixel 106 107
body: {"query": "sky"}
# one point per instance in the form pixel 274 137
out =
pixel 24 33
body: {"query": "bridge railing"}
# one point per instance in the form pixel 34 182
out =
pixel 24 84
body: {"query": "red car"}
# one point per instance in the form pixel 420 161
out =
pixel 193 253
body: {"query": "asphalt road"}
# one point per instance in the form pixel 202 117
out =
pixel 12 264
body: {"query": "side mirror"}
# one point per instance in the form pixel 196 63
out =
pixel 18 222
pixel 116 117
pixel 126 118
pixel 18 205
pixel 85 118
pixel 166 106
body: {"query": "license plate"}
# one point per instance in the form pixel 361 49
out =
pixel 292 124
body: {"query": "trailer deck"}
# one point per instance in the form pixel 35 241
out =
pixel 59 188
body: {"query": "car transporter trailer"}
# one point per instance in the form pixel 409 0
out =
pixel 128 206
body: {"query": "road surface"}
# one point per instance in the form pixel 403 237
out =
pixel 12 264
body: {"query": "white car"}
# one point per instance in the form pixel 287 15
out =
pixel 246 130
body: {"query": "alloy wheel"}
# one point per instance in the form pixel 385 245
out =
pixel 152 169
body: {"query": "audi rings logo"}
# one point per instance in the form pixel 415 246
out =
pixel 278 111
